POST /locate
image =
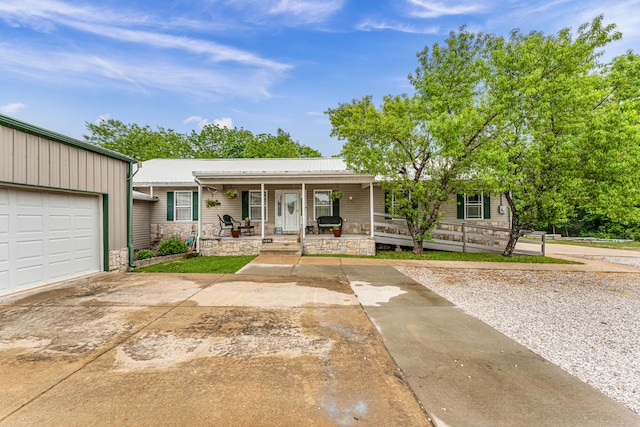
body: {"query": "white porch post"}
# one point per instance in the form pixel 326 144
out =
pixel 262 208
pixel 304 212
pixel 199 217
pixel 371 208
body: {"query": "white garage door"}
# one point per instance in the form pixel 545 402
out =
pixel 46 236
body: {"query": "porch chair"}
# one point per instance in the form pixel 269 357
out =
pixel 227 223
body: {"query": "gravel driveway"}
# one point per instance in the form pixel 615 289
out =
pixel 588 323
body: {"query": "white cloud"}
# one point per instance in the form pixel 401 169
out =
pixel 199 120
pixel 290 12
pixel 76 68
pixel 371 25
pixel 435 9
pixel 12 108
pixel 45 15
pixel 224 122
pixel 102 118
pixel 216 52
pixel 308 10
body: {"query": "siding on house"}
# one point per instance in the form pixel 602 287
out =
pixel 355 210
pixel 141 224
pixel 449 210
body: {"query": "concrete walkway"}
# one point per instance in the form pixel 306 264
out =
pixel 463 372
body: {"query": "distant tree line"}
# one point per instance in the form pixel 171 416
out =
pixel 212 142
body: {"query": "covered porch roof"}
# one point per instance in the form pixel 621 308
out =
pixel 187 172
pixel 280 171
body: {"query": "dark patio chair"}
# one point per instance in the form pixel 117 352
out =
pixel 227 223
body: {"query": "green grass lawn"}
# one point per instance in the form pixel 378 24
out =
pixel 231 264
pixel 459 256
pixel 629 246
pixel 201 264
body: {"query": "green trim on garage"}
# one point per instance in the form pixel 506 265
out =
pixel 105 232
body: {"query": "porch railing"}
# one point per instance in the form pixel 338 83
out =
pixel 452 236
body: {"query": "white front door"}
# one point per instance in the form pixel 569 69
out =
pixel 291 211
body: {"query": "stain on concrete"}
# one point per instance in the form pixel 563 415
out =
pixel 330 283
pixel 279 351
pixel 375 295
pixel 246 293
pixel 44 333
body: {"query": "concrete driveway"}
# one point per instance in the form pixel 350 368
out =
pixel 285 342
pixel 158 349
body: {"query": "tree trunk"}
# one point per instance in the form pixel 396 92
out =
pixel 514 235
pixel 413 232
pixel 416 231
pixel 516 228
pixel 418 249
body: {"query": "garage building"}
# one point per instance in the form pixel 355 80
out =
pixel 65 207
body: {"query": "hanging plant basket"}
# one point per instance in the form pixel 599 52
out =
pixel 337 194
pixel 231 194
pixel 212 202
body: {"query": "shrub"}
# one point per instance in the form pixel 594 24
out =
pixel 145 254
pixel 172 246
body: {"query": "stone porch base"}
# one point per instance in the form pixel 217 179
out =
pixel 313 245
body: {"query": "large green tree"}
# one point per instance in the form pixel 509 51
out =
pixel 144 143
pixel 424 144
pixel 609 149
pixel 553 88
pixel 506 115
pixel 216 142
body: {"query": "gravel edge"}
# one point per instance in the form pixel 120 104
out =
pixel 588 323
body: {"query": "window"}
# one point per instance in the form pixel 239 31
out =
pixel 322 203
pixel 183 206
pixel 255 209
pixel 474 206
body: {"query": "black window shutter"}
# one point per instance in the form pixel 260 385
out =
pixel 336 207
pixel 194 206
pixel 460 203
pixel 486 200
pixel 387 202
pixel 170 205
pixel 245 204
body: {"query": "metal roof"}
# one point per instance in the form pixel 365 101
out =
pixel 186 171
pixel 58 137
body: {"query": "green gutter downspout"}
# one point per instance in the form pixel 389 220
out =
pixel 130 215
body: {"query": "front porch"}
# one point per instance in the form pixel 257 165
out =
pixel 311 244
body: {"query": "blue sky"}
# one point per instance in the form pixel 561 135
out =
pixel 254 64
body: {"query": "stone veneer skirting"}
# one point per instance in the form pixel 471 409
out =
pixel 140 263
pixel 362 246
pixel 216 246
pixel 345 245
pixel 119 260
